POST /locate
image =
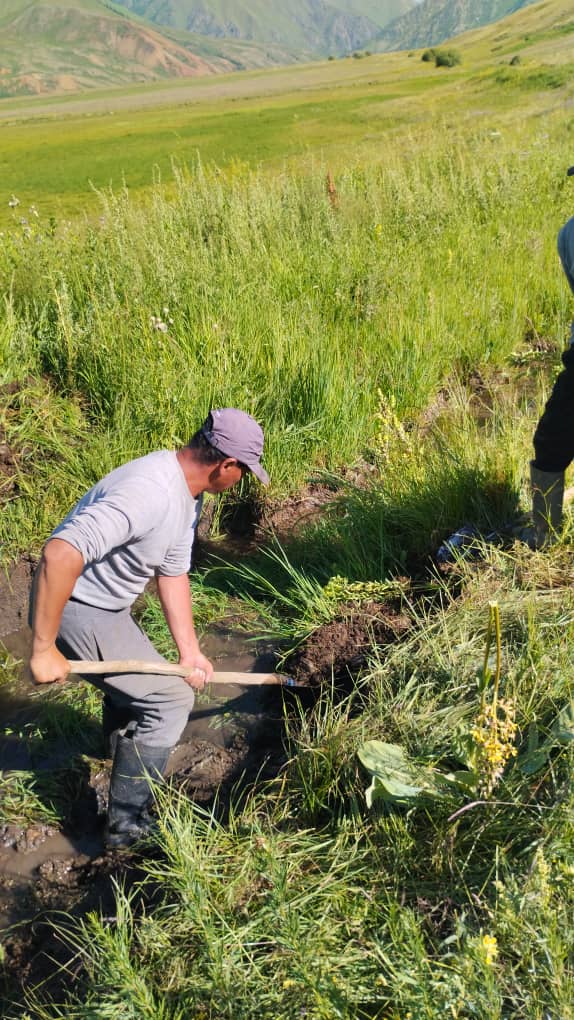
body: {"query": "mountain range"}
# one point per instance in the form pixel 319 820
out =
pixel 70 45
pixel 327 26
pixel 434 21
pixel 310 26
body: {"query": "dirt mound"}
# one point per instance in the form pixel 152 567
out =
pixel 340 649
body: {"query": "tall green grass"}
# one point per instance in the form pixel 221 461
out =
pixel 277 301
pixel 367 333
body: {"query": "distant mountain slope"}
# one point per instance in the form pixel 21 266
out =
pixel 66 45
pixel 433 21
pixel 320 26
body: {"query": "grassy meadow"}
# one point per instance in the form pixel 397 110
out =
pixel 57 149
pixel 396 333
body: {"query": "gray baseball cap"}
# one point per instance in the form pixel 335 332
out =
pixel 236 434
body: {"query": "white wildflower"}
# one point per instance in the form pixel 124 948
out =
pixel 157 323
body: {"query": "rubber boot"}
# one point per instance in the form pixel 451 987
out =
pixel 136 767
pixel 547 499
pixel 115 722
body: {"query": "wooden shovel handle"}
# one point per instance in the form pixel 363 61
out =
pixel 85 667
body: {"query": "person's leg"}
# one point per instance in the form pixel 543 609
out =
pixel 152 709
pixel 553 452
pixel 554 435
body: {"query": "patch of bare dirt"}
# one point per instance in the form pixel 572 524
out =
pixel 254 518
pixel 289 516
pixel 8 456
pixel 15 584
pixel 341 648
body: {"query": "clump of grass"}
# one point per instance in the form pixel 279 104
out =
pixel 32 798
pixel 8 666
pixel 66 726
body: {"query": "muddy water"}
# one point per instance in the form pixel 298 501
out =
pixel 227 724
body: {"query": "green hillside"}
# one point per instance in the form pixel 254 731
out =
pixel 67 45
pixel 370 108
pixel 433 21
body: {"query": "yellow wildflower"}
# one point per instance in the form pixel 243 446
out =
pixel 490 947
pixel 494 733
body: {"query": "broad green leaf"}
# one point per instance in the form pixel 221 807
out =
pixel 376 754
pixel 378 790
pixel 563 726
pixel 396 778
pixel 465 777
pixel 531 762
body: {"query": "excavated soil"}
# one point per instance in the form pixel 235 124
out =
pixel 340 649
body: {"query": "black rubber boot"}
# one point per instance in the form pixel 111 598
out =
pixel 136 767
pixel 115 723
pixel 547 499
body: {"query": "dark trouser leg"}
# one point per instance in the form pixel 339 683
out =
pixel 547 499
pixel 554 451
pixel 554 436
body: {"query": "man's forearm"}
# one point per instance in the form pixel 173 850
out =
pixel 175 599
pixel 59 569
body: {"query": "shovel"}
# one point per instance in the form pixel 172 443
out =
pixel 80 666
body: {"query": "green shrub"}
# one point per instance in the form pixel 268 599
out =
pixel 447 58
pixel 428 56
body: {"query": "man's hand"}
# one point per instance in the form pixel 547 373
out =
pixel 200 670
pixel 49 666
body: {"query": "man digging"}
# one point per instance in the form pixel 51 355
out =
pixel 136 523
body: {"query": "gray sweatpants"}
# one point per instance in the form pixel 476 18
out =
pixel 159 706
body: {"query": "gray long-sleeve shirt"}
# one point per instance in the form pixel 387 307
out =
pixel 138 521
